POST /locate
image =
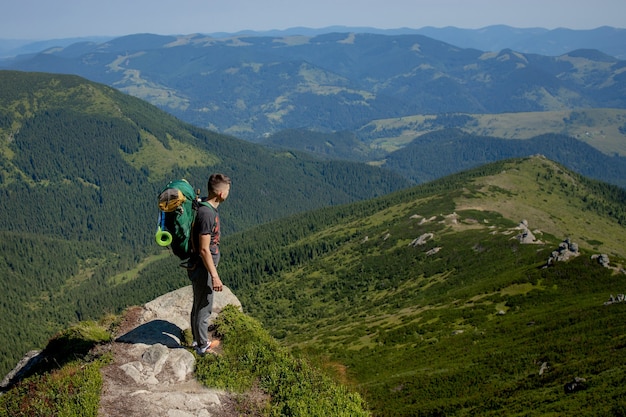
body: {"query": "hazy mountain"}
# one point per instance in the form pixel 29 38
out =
pixel 251 86
pixel 552 42
pixel 540 41
pixel 445 152
pixel 14 47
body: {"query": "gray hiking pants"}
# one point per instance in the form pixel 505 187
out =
pixel 202 304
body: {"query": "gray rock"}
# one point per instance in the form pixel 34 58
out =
pixel 152 374
pixel 566 250
pixel 603 259
pixel 526 236
pixel 421 240
pixel 22 368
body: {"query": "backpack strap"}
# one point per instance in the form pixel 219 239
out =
pixel 191 263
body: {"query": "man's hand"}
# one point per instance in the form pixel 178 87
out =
pixel 217 283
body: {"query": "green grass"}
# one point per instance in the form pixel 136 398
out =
pixel 72 391
pixel 130 275
pixel 435 344
pixel 162 161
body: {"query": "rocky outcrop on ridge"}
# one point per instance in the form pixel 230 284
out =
pixel 152 373
pixel 526 236
pixel 566 250
pixel 603 259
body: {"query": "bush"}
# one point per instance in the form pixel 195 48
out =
pixel 252 357
pixel 71 391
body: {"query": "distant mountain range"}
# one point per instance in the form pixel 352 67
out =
pixel 250 86
pixel 551 42
pixel 536 40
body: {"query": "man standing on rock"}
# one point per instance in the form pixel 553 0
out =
pixel 204 277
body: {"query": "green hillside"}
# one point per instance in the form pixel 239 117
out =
pixel 463 321
pixel 81 165
pixel 591 142
pixel 427 302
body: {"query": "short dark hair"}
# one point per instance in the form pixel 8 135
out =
pixel 216 181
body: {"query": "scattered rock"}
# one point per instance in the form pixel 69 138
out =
pixel 422 239
pixel 425 220
pixel 612 300
pixel 603 259
pixel 578 384
pixel 566 250
pixel 21 370
pixel 451 218
pixel 433 251
pixel 526 236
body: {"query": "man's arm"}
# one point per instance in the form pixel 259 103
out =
pixel 205 255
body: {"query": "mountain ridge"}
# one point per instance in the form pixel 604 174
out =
pixel 249 86
pixel 416 294
pixel 493 37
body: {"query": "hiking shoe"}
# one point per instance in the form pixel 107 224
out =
pixel 209 348
pixel 201 351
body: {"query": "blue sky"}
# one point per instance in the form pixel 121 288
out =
pixel 48 19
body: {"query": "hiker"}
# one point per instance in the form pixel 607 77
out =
pixel 204 277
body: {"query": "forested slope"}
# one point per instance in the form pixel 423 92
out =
pixel 81 165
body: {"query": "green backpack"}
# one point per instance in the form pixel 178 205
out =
pixel 178 203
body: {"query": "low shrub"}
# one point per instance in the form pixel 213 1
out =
pixel 252 357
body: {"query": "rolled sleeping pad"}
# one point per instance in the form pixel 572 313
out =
pixel 163 237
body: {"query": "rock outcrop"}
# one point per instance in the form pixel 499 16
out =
pixel 526 236
pixel 421 240
pixel 620 298
pixel 566 250
pixel 603 259
pixel 152 373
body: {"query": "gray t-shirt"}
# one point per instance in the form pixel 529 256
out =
pixel 208 223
